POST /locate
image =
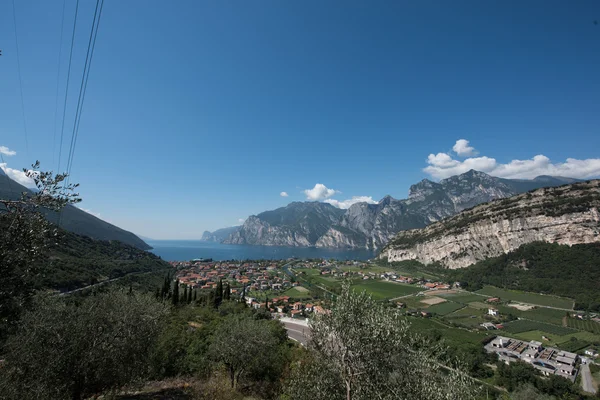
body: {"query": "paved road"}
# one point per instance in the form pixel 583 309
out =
pixel 586 379
pixel 297 331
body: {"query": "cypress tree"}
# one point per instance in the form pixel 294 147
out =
pixel 219 293
pixel 195 295
pixel 189 296
pixel 227 292
pixel 166 287
pixel 175 297
pixel 185 295
pixel 210 299
pixel 157 294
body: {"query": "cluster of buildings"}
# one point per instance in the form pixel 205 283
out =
pixel 264 275
pixel 547 360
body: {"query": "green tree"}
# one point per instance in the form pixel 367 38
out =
pixel 226 292
pixel 218 299
pixel 185 295
pixel 364 350
pixel 244 346
pixel 69 350
pixel 175 296
pixel 25 235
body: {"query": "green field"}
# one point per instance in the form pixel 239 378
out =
pixel 381 290
pixel 526 325
pixel 584 325
pixel 296 293
pixel 529 298
pixel 444 308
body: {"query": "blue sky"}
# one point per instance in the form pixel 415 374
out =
pixel 200 113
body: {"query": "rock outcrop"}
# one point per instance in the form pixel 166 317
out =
pixel 219 235
pixel 565 215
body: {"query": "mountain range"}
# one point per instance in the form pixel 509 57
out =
pixel 74 219
pixel 371 226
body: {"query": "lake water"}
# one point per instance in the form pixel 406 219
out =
pixel 184 250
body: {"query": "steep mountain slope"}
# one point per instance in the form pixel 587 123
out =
pixel 297 224
pixel 76 220
pixel 219 235
pixel 565 215
pixel 371 226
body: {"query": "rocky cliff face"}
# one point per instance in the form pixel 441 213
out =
pixel 566 215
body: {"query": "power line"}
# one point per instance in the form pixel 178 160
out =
pixel 84 82
pixel 62 129
pixel 62 29
pixel 82 90
pixel 20 79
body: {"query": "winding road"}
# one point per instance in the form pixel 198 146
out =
pixel 297 330
pixel 586 379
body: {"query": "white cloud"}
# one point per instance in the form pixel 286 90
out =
pixel 319 192
pixel 6 151
pixel 442 165
pixel 462 148
pixel 18 176
pixel 345 204
pixel 283 194
pixel 241 220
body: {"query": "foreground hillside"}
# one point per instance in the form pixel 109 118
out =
pixel 371 226
pixel 565 215
pixel 74 219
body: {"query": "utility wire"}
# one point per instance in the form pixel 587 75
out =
pixel 20 79
pixel 62 129
pixel 62 29
pixel 82 89
pixel 84 82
